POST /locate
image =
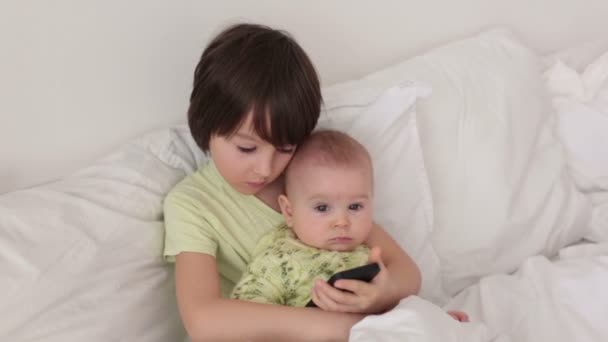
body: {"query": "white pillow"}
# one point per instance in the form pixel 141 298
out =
pixel 384 121
pixel 579 55
pixel 81 258
pixel 499 179
pixel 500 188
pixel 598 227
pixel 581 101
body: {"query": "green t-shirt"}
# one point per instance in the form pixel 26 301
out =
pixel 283 269
pixel 204 214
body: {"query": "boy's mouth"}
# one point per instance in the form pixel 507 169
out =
pixel 256 184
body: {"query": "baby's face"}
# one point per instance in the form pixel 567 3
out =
pixel 331 208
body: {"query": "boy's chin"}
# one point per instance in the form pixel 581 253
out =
pixel 246 189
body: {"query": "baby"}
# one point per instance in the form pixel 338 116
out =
pixel 328 213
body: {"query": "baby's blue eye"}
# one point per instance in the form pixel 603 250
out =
pixel 355 206
pixel 246 149
pixel 322 208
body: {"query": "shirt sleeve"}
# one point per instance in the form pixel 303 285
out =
pixel 187 227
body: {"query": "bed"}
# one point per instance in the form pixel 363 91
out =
pixel 491 170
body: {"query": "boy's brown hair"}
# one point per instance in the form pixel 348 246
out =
pixel 254 69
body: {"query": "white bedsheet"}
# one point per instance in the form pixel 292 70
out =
pixel 560 301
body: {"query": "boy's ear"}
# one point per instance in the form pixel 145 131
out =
pixel 286 209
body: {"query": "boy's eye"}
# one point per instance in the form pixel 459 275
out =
pixel 321 208
pixel 355 206
pixel 286 149
pixel 246 149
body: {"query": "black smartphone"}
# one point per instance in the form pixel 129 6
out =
pixel 364 273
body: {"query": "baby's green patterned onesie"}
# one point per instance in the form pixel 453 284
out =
pixel 283 269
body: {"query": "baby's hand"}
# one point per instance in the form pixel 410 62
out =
pixel 370 298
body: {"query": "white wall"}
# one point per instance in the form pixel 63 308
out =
pixel 78 77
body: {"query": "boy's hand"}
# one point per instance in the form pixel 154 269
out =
pixel 369 298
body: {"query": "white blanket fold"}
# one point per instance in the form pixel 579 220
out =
pixel 416 319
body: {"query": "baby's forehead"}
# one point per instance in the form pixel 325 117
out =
pixel 311 159
pixel 303 170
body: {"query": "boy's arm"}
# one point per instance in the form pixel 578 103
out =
pixel 208 317
pixel 403 271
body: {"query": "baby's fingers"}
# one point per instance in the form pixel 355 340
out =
pixel 320 298
pixel 359 288
pixel 332 299
pixel 334 294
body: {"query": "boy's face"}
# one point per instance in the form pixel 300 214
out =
pixel 247 162
pixel 329 207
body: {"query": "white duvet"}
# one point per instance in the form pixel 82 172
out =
pixel 562 300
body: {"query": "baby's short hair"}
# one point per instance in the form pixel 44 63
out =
pixel 330 148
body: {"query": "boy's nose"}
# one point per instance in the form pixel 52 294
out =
pixel 263 167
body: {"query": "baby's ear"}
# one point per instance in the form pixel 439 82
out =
pixel 286 209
